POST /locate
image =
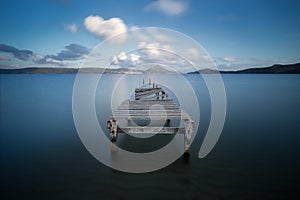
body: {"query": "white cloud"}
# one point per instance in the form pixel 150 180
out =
pixel 149 54
pixel 228 59
pixel 3 57
pixel 42 60
pixel 114 60
pixel 126 61
pixel 133 28
pixel 137 33
pixel 106 28
pixel 148 34
pixel 37 57
pixel 122 56
pixel 163 38
pixel 156 52
pixel 134 58
pixel 168 7
pixel 154 46
pixel 206 58
pixel 196 56
pixel 191 53
pixel 54 61
pixel 158 36
pixel 72 28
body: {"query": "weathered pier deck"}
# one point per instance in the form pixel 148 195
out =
pixel 151 103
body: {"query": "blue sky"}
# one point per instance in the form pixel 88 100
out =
pixel 236 33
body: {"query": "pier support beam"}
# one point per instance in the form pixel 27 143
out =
pixel 189 126
pixel 113 127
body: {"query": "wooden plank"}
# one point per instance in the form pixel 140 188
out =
pixel 146 88
pixel 179 111
pixel 154 97
pixel 156 100
pixel 143 90
pixel 151 107
pixel 159 130
pixel 146 93
pixel 148 108
pixel 149 101
pixel 154 117
pixel 150 114
pixel 148 104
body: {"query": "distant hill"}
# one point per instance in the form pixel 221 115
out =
pixel 52 70
pixel 275 69
pixel 36 70
pixel 204 71
pixel 56 70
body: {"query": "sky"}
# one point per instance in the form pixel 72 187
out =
pixel 237 34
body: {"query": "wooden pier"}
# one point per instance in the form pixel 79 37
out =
pixel 151 103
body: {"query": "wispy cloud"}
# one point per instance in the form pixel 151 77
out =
pixel 72 52
pixel 168 7
pixel 225 59
pixel 228 59
pixel 47 60
pixel 17 53
pixel 4 57
pixel 106 28
pixel 143 35
pixel 228 63
pixel 72 28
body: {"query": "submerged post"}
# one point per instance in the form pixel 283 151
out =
pixel 113 127
pixel 189 126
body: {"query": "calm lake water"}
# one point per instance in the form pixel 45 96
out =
pixel 256 157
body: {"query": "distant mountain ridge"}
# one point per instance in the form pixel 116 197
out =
pixel 275 69
pixel 52 70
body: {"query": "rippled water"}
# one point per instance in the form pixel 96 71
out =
pixel 257 156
